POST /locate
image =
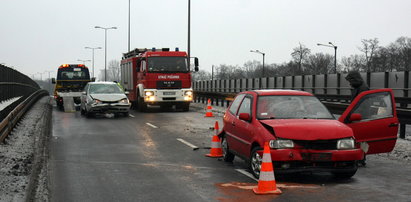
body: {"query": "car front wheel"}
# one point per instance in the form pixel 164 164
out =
pixel 345 175
pixel 255 162
pixel 227 155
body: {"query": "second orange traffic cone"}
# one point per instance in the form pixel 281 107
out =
pixel 209 110
pixel 266 181
pixel 216 150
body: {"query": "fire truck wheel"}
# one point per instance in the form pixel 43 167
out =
pixel 184 107
pixel 142 106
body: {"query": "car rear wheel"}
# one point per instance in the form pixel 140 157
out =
pixel 227 155
pixel 255 162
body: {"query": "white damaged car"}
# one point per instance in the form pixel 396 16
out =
pixel 104 97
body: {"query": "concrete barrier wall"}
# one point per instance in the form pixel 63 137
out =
pixel 330 84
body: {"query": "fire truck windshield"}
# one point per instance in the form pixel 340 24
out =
pixel 167 64
pixel 75 73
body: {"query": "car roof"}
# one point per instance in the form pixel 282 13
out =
pixel 280 92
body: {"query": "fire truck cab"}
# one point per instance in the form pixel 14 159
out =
pixel 157 77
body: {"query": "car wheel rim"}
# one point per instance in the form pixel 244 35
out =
pixel 256 163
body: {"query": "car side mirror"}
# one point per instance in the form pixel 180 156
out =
pixel 126 92
pixel 84 93
pixel 355 117
pixel 244 116
pixel 53 80
pixel 93 79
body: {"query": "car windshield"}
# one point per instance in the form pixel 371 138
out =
pixel 70 73
pixel 105 89
pixel 291 107
pixel 167 64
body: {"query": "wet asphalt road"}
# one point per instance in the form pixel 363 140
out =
pixel 139 158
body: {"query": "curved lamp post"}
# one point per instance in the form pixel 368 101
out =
pixel 105 48
pixel 335 54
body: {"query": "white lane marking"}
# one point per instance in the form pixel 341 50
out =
pixel 187 143
pixel 244 172
pixel 153 126
pixel 130 115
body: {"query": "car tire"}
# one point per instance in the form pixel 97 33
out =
pixel 88 114
pixel 82 111
pixel 254 163
pixel 126 114
pixel 227 155
pixel 345 175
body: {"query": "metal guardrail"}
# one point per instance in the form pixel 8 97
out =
pixel 8 123
pixel 336 104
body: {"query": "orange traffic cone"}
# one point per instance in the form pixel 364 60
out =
pixel 266 182
pixel 209 112
pixel 215 150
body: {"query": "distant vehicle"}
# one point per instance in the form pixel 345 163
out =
pixel 71 79
pixel 104 97
pixel 303 135
pixel 157 77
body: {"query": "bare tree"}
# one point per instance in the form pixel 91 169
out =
pixel 113 71
pixel 369 48
pixel 353 62
pixel 319 63
pixel 201 76
pixel 404 44
pixel 251 69
pixel 299 54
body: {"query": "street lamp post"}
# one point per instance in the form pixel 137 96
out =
pixel 128 25
pixel 259 52
pixel 188 34
pixel 335 54
pixel 92 59
pixel 105 48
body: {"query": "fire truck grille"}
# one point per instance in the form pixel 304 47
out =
pixel 168 84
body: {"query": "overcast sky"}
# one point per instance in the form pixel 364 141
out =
pixel 39 35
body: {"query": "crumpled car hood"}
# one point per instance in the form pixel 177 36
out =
pixel 308 129
pixel 108 97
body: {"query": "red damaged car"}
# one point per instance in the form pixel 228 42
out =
pixel 303 135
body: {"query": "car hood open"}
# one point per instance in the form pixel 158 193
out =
pixel 108 97
pixel 308 129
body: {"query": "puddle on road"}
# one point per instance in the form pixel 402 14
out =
pixel 239 191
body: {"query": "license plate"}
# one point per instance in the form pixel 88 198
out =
pixel 317 156
pixel 169 93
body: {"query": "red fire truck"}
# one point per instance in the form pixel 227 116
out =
pixel 157 77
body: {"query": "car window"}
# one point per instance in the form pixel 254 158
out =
pixel 291 107
pixel 105 89
pixel 245 106
pixel 236 103
pixel 375 106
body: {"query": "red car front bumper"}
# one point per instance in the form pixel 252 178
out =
pixel 300 160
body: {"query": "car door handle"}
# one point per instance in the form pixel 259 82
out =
pixel 233 123
pixel 393 125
